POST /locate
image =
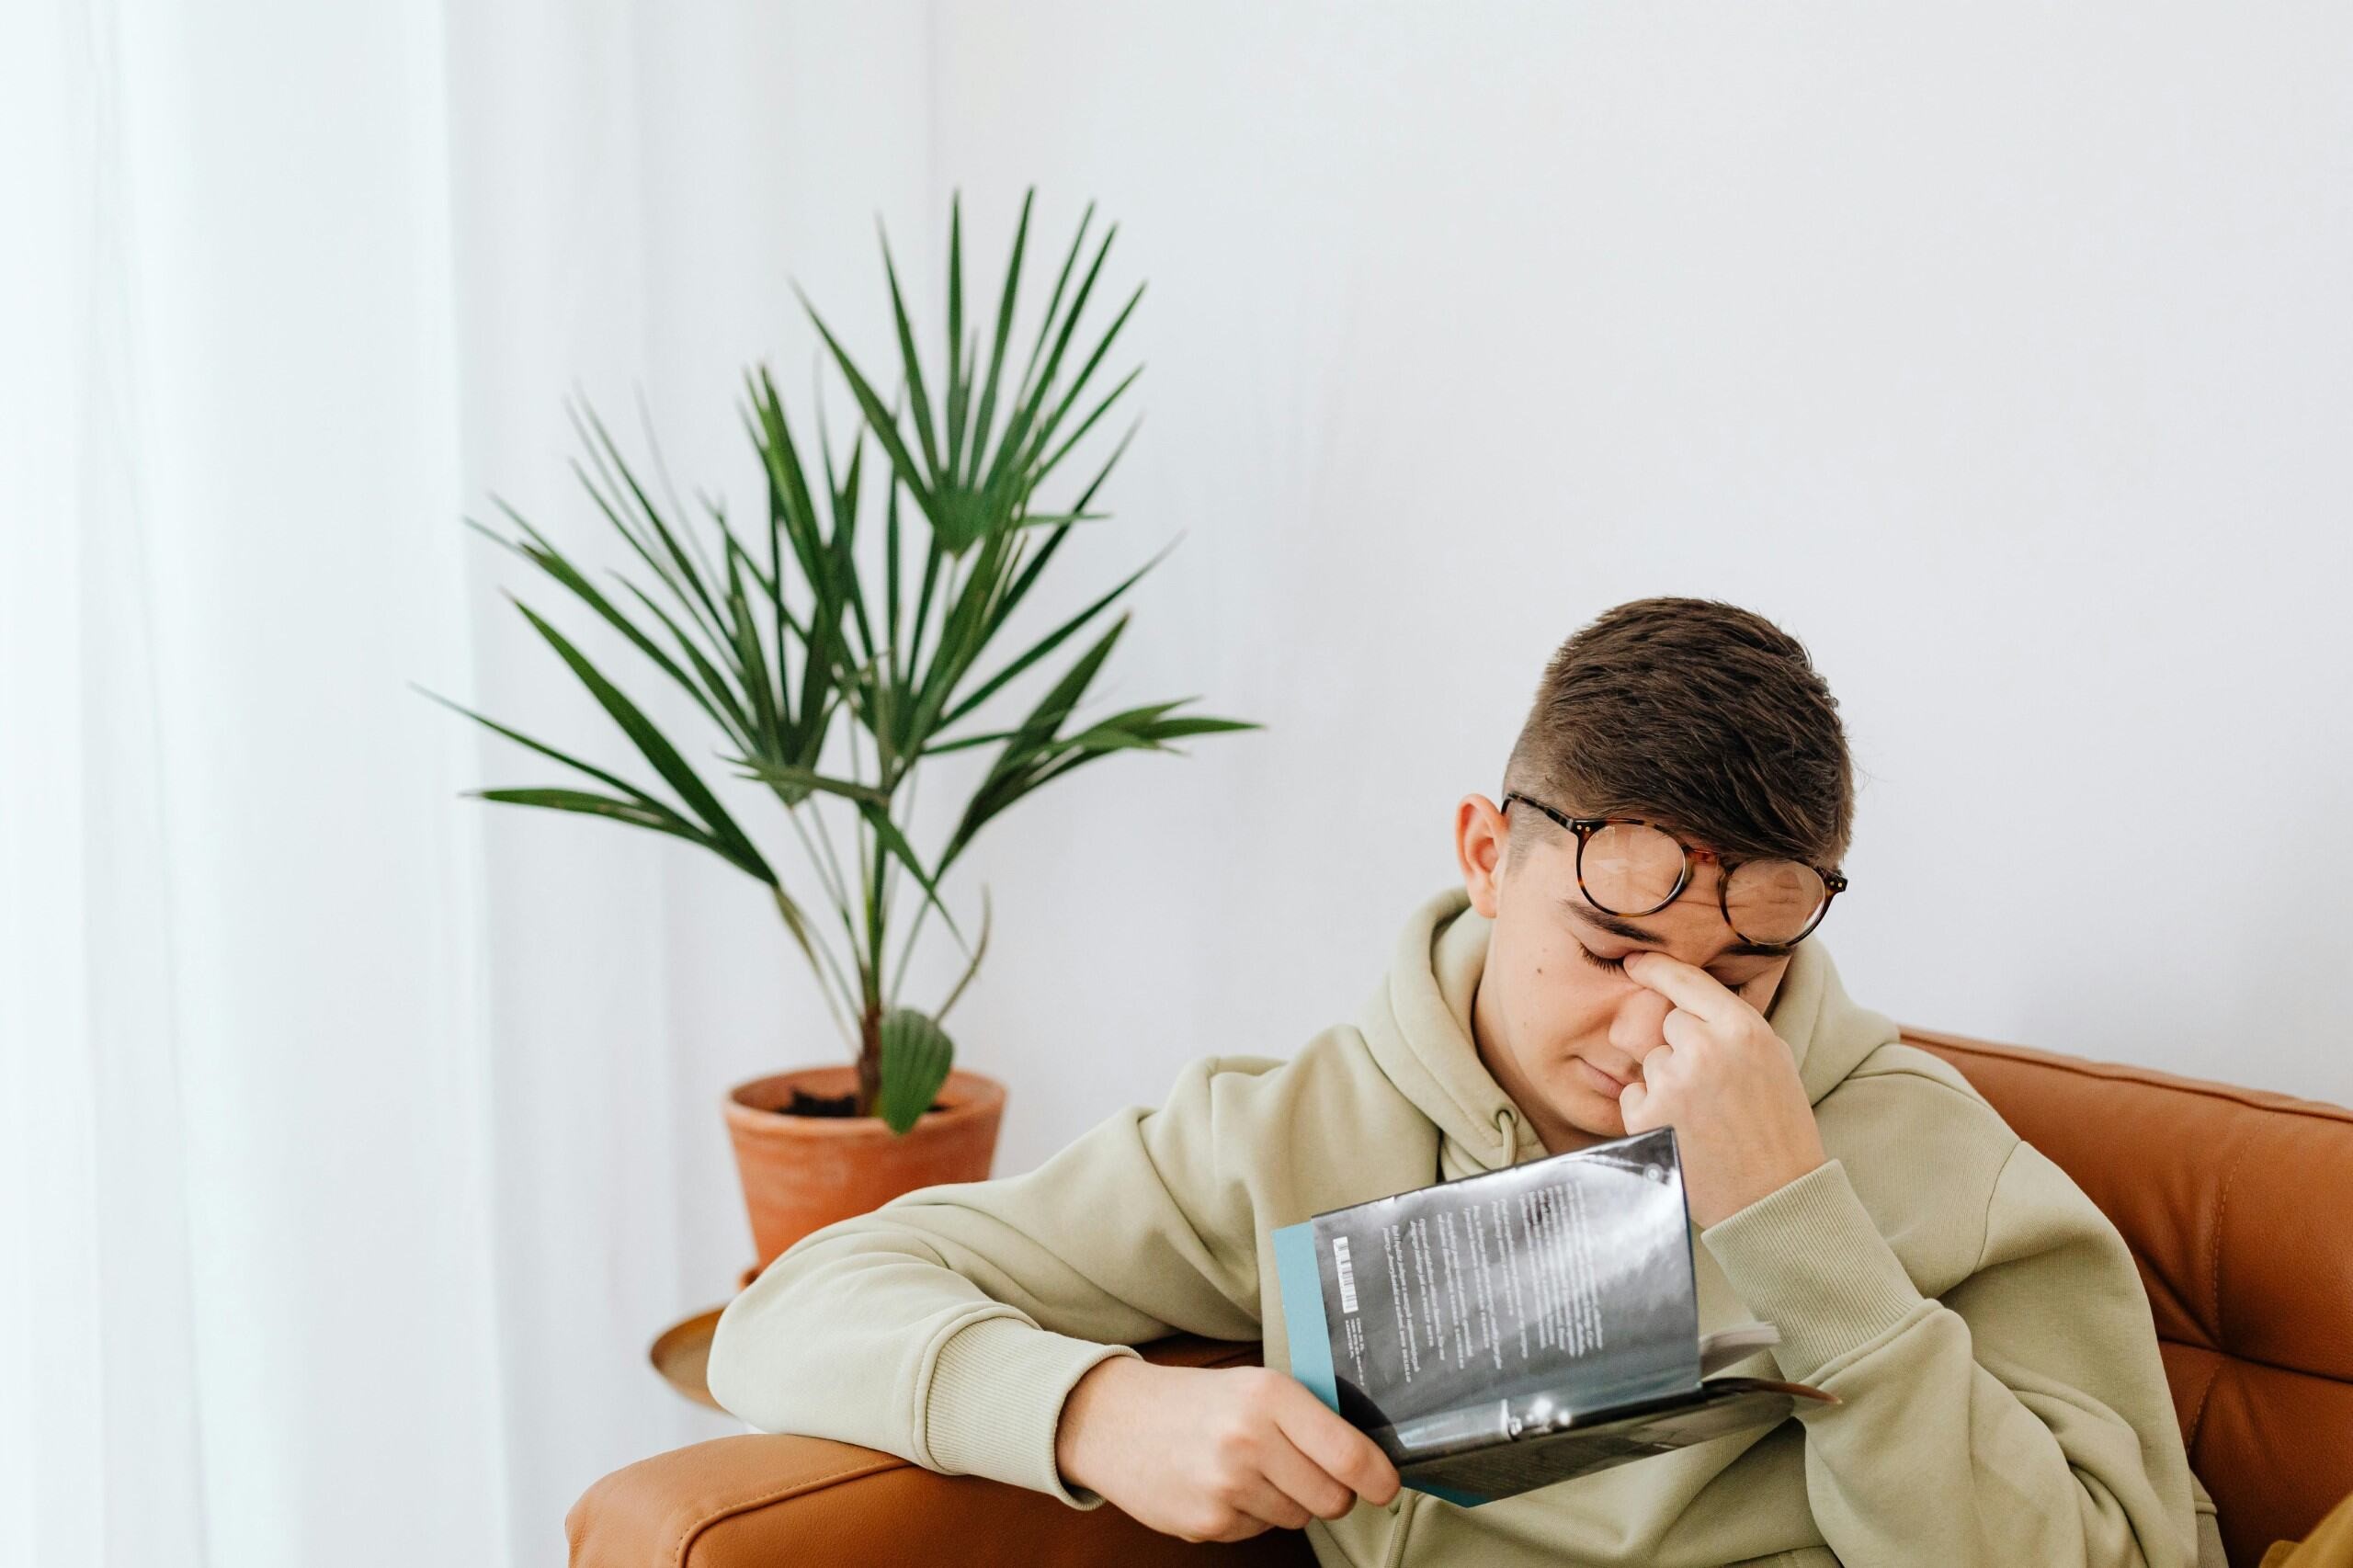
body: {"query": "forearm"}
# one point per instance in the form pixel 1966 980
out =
pixel 1931 1454
pixel 867 1338
pixel 948 1325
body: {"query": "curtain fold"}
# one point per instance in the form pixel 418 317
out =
pixel 356 1138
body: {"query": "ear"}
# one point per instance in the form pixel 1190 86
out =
pixel 1482 837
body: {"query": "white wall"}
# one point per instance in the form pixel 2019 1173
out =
pixel 359 1138
pixel 1998 353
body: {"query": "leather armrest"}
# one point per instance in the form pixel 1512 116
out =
pixel 758 1500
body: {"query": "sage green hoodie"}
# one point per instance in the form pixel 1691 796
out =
pixel 2003 1403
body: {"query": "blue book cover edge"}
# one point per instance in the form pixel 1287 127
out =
pixel 1304 1325
pixel 1310 1334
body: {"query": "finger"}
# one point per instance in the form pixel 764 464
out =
pixel 1304 1481
pixel 1263 1501
pixel 1682 1029
pixel 1657 1071
pixel 1693 990
pixel 1338 1448
pixel 1633 1106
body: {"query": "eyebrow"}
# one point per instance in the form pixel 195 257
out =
pixel 1619 925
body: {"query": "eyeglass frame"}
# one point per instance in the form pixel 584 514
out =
pixel 1834 882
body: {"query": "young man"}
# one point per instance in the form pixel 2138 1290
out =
pixel 1631 947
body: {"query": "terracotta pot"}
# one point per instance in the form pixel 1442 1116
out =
pixel 802 1173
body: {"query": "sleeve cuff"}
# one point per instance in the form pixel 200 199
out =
pixel 996 1398
pixel 1807 1259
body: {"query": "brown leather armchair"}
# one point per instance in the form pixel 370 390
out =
pixel 2238 1205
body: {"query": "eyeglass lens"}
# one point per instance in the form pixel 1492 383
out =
pixel 1631 868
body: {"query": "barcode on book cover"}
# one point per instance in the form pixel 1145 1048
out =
pixel 1348 1273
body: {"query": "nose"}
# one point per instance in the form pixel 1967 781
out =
pixel 1639 1026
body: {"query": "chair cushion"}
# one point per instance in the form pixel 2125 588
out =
pixel 2238 1206
pixel 760 1500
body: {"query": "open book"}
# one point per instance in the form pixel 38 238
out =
pixel 1508 1330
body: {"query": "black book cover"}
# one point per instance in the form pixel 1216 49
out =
pixel 1518 1328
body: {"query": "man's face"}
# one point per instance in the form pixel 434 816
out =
pixel 1558 1025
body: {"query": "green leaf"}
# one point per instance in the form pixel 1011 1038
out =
pixel 890 573
pixel 608 462
pixel 656 749
pixel 986 435
pixel 963 742
pixel 1003 328
pixel 635 813
pixel 548 559
pixel 1045 430
pixel 737 724
pixel 1053 309
pixel 911 364
pixel 1011 462
pixel 1057 703
pixel 879 420
pixel 1014 772
pixel 1052 640
pixel 1049 464
pixel 887 835
pixel 809 778
pixel 598 774
pixel 923 604
pixel 1172 729
pixel 959 372
pixel 915 1057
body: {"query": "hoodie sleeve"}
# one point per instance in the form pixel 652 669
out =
pixel 2024 1417
pixel 948 1325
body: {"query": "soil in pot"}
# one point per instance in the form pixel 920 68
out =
pixel 806 1104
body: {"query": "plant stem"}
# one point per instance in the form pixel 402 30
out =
pixel 891 871
pixel 833 1004
pixel 850 994
pixel 824 837
pixel 907 952
pixel 837 893
pixel 869 1060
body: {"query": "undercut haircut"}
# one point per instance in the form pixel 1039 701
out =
pixel 1699 715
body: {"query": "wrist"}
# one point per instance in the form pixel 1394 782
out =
pixel 1081 1420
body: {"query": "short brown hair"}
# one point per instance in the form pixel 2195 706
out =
pixel 1696 713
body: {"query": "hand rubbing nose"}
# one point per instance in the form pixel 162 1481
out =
pixel 1641 1024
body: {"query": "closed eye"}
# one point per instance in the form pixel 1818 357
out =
pixel 1608 966
pixel 1618 966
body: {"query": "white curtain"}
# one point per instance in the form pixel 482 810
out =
pixel 356 1138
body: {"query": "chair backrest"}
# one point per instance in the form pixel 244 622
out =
pixel 2238 1206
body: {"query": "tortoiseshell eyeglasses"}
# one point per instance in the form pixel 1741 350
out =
pixel 1632 866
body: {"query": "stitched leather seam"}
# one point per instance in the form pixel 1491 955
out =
pixel 2245 1360
pixel 2214 1261
pixel 2117 1073
pixel 2199 1415
pixel 2112 1072
pixel 686 1537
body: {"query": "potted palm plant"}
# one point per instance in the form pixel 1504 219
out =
pixel 779 637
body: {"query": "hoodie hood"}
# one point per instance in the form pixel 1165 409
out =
pixel 1418 1024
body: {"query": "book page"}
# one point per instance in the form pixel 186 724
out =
pixel 1570 1274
